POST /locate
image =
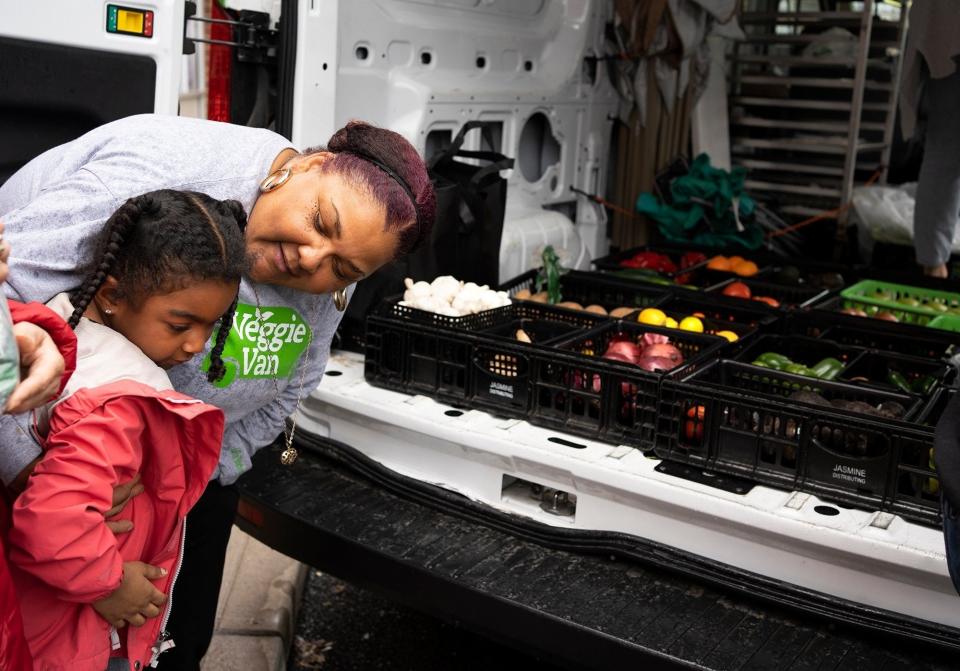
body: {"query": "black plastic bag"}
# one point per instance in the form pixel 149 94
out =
pixel 464 242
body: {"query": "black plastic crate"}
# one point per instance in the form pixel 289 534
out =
pixel 873 333
pixel 799 349
pixel 699 276
pixel 787 296
pixel 415 358
pixel 872 368
pixel 811 273
pixel 730 419
pixel 917 493
pixel 610 400
pixel 825 313
pixel 588 288
pixel 720 310
pixel 418 358
pixel 391 307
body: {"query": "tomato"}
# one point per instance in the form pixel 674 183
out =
pixel 737 290
pixel 693 427
pixel 772 302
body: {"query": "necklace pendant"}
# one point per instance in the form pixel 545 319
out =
pixel 288 456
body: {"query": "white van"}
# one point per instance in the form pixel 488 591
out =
pixel 588 553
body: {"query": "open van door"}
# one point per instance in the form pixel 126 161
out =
pixel 67 66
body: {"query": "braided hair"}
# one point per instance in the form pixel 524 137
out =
pixel 163 241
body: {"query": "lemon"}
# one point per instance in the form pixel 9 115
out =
pixel 671 323
pixel 729 335
pixel 652 316
pixel 691 324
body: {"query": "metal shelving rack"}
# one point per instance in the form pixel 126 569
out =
pixel 808 126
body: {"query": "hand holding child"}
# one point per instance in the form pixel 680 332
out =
pixel 136 599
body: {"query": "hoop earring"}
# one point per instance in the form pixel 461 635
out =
pixel 340 299
pixel 275 180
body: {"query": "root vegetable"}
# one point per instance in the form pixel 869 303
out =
pixel 623 348
pixel 571 305
pixel 656 363
pixel 522 295
pixel 522 336
pixel 540 297
pixel 663 350
pixel 596 309
pixel 619 313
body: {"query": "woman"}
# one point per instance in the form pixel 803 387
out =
pixel 319 221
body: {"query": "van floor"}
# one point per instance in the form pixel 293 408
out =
pixel 465 563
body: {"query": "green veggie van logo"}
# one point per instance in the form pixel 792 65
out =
pixel 265 347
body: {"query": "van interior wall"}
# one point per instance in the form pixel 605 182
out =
pixel 424 70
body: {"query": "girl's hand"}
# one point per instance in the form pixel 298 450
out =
pixel 136 599
pixel 121 497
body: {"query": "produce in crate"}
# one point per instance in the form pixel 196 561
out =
pixel 735 264
pixel 652 352
pixel 448 296
pixel 825 369
pixel 887 409
pixel 741 290
pixel 692 323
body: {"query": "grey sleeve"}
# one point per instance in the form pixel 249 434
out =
pixel 17 445
pixel 245 437
pixel 51 236
pixel 50 240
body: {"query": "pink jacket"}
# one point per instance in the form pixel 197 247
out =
pixel 14 654
pixel 64 556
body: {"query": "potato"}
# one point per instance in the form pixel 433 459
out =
pixel 539 297
pixel 596 309
pixel 570 305
pixel 621 312
pixel 522 295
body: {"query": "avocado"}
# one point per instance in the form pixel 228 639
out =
pixel 788 275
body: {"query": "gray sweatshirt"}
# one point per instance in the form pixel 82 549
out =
pixel 53 209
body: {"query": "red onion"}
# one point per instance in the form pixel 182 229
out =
pixel 665 351
pixel 653 339
pixel 622 350
pixel 656 363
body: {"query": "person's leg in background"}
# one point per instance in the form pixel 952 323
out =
pixel 951 540
pixel 938 188
pixel 197 589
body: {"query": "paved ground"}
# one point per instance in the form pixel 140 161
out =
pixel 257 610
pixel 337 627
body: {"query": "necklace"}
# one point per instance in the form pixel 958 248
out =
pixel 290 453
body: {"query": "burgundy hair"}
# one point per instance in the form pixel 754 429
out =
pixel 396 153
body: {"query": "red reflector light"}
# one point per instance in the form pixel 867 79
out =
pixel 219 67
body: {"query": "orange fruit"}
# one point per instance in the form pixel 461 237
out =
pixel 719 263
pixel 734 260
pixel 772 302
pixel 745 269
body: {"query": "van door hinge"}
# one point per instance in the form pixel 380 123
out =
pixel 253 38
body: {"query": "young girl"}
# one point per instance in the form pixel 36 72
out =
pixel 166 273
